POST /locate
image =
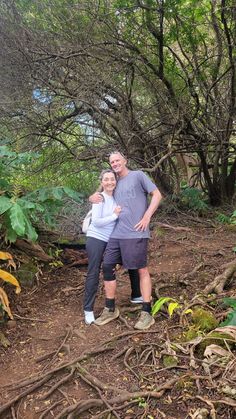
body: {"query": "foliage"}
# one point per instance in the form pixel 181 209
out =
pixel 227 219
pixel 171 306
pixel 194 198
pixel 153 81
pixel 231 317
pixel 20 210
pixel 7 277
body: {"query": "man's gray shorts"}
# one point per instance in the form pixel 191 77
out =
pixel 131 253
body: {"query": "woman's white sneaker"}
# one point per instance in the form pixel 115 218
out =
pixel 89 317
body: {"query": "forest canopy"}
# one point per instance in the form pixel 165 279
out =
pixel 154 79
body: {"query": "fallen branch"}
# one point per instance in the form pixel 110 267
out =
pixel 171 227
pixel 30 319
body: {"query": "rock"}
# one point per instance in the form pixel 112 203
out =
pixel 11 324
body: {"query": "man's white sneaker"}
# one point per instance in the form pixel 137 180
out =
pixel 89 317
pixel 137 300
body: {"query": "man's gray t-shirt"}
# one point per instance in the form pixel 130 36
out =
pixel 131 194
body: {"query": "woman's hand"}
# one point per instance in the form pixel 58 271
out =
pixel 117 210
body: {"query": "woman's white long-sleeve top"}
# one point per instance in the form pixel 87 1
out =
pixel 103 218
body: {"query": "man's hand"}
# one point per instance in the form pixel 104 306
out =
pixel 96 198
pixel 143 223
pixel 154 204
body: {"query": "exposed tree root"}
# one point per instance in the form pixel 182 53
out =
pixel 218 284
pixel 33 249
pixel 50 408
pixel 78 408
pixel 11 402
pixel 83 405
pixel 58 384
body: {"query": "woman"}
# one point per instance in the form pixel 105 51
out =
pixel 104 216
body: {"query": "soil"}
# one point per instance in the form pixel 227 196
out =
pixel 105 364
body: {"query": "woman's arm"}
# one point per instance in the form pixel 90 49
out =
pixel 97 219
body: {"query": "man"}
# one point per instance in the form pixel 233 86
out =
pixel 129 240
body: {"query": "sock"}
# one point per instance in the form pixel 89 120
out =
pixel 147 307
pixel 110 303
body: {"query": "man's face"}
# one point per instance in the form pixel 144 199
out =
pixel 117 163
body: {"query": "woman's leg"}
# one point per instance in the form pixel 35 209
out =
pixel 95 249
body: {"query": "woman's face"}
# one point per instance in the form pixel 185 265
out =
pixel 108 182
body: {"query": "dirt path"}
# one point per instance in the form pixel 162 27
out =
pixel 50 332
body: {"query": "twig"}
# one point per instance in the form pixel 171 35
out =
pixel 125 322
pixel 30 319
pixel 68 334
pixel 128 353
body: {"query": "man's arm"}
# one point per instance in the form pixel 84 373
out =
pixel 154 204
pixel 96 198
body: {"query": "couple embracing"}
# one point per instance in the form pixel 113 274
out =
pixel 118 234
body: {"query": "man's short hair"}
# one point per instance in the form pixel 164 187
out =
pixel 117 152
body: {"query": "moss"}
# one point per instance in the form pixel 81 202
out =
pixel 190 334
pixel 185 384
pixel 26 274
pixel 204 320
pixel 159 232
pixel 218 338
pixel 169 361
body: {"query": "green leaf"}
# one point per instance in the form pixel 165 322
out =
pixel 30 231
pixel 159 303
pixel 230 320
pixel 17 218
pixel 57 193
pixel 73 194
pixel 172 307
pixel 5 204
pixel 231 302
pixel 11 235
pixel 24 203
pixel 4 185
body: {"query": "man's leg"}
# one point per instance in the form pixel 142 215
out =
pixel 145 284
pixel 146 320
pixel 134 255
